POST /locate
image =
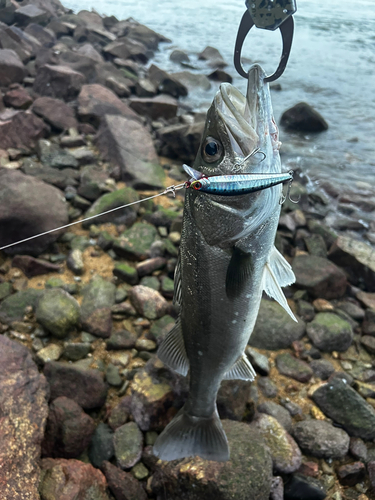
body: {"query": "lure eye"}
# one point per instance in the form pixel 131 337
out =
pixel 211 150
pixel 197 185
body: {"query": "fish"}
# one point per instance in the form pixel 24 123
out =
pixel 227 259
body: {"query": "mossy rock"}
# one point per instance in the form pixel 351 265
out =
pixel 135 242
pixel 5 290
pixel 328 332
pixel 12 308
pixel 98 294
pixel 113 200
pixel 58 312
pixel 126 273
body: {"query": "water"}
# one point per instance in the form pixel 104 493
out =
pixel 331 67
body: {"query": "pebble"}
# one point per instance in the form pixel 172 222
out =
pixel 303 487
pixel 73 351
pixel 52 352
pixel 328 332
pixel 121 339
pixel 128 443
pixel 292 367
pixel 58 312
pixel 259 361
pixel 101 447
pixel 267 387
pixel 148 303
pixel 358 448
pixel 145 345
pixel 139 471
pixel 351 474
pixel 278 412
pixel 322 368
pixel 122 484
pixel 112 375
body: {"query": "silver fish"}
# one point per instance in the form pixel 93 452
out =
pixel 227 258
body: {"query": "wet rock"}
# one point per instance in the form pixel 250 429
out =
pixel 121 339
pixel 71 479
pixel 148 303
pixel 161 106
pixel 322 368
pixel 166 83
pixel 320 439
pixel 356 258
pixel 112 200
pixel 345 406
pixel 319 276
pixel 351 474
pixel 267 387
pixel 98 298
pixel 193 80
pixel 118 85
pixel 305 310
pixel 220 75
pixel 278 412
pixel 274 328
pixel 259 361
pixel 18 98
pixel 292 367
pixel 126 273
pixel 12 69
pixel 122 484
pixel 12 308
pixel 52 352
pixel 300 487
pixel 22 129
pixel 51 155
pixel 179 56
pixel 89 51
pixel 369 343
pixel 197 478
pixel 371 473
pixel 77 350
pixel 358 449
pixel 92 182
pixel 85 386
pixel 277 488
pixel 213 56
pixel 55 112
pixel 58 312
pixel 129 146
pixel 75 262
pixel 23 399
pixel 45 36
pixel 68 431
pixel 5 290
pixel 134 243
pixel 34 267
pixel 127 49
pixel 328 332
pixel 58 81
pixel 128 443
pixel 120 413
pixel 304 118
pixel 101 446
pixel 96 101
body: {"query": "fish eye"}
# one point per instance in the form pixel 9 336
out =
pixel 211 150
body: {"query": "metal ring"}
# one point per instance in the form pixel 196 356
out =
pixel 286 28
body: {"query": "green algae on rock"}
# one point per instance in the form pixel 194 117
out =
pixel 12 308
pixel 134 243
pixel 58 312
pixel 328 332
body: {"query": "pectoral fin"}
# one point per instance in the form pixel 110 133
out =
pixel 238 273
pixel 272 288
pixel 241 370
pixel 172 351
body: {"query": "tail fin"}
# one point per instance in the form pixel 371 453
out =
pixel 188 436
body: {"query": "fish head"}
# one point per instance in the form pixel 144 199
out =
pixel 236 126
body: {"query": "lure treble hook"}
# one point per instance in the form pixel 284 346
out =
pixel 287 196
pixel 269 16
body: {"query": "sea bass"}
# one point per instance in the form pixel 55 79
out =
pixel 227 259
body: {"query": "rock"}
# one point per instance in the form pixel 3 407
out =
pixel 179 56
pixel 357 259
pixel 369 343
pixel 5 290
pixel 34 267
pixel 197 478
pixel 69 429
pixel 120 413
pixel 96 101
pixel 12 69
pixel 181 141
pixel 267 387
pixel 258 360
pixel 30 14
pixel 112 375
pixel 192 80
pixel 129 146
pixel 112 200
pixel 139 32
pixel 52 155
pixel 118 86
pixel 58 312
pixel 98 298
pixel 58 81
pixel 320 439
pixel 92 182
pixel 316 245
pixel 71 479
pixel 346 407
pixel 150 265
pixel 55 112
pixel 328 332
pixel 145 88
pixel 101 447
pixel 165 83
pixel 358 449
pixel 232 399
pixel 277 488
pixel 134 243
pixel 21 130
pixel 161 327
pixel 274 329
pixel 85 386
pixel 351 474
pixel 52 352
pixel 23 399
pixel 76 350
pixel 322 368
pixel 286 456
pixel 148 303
pixel 12 308
pixel 126 273
pixel 220 75
pixel 278 412
pixel 121 339
pixel 127 49
pixel 45 36
pixel 371 473
pixel 161 106
pixel 293 367
pixel 75 262
pixel 213 56
pixel 301 487
pixel 319 276
pixel 89 51
pixel 304 118
pixel 122 484
pixel 18 98
pixel 128 443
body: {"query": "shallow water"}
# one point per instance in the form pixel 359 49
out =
pixel 331 67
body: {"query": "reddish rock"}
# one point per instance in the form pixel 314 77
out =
pixel 161 106
pixel 34 267
pixel 85 386
pixel 18 98
pixel 21 130
pixel 58 81
pixel 55 112
pixel 122 484
pixel 11 68
pixel 99 322
pixel 310 469
pixel 166 83
pixel 95 101
pixel 371 473
pixel 148 302
pixel 69 429
pixel 148 266
pixel 23 413
pixel 71 480
pixel 351 474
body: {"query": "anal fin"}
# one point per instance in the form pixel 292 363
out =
pixel 172 350
pixel 238 273
pixel 241 370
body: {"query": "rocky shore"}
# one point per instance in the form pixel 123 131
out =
pixel 86 125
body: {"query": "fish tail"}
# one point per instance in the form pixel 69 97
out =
pixel 187 436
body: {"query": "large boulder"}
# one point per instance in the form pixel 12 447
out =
pixel 304 118
pixel 12 69
pixel 21 129
pixel 58 81
pixel 29 206
pixel 161 106
pixel 129 146
pixel 55 112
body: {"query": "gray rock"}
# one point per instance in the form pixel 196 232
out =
pixel 58 312
pixel 135 243
pixel 161 106
pixel 21 129
pixel 31 266
pixel 220 75
pixel 322 368
pixel 181 140
pixel 112 375
pixel 145 88
pixel 30 14
pixel 161 326
pixel 77 350
pixel 121 339
pixel 179 56
pixel 274 329
pixel 98 298
pixel 278 412
pixel 267 387
pixel 192 80
pixel 148 303
pixel 328 332
pixel 75 262
pixel 212 55
pixel 12 69
pixel 321 439
pixel 304 118
pixel 345 406
pixel 128 443
pixel 303 487
pixel 293 367
pixel 6 290
pixel 55 157
pixel 166 83
pixel 259 361
pixel 101 446
pixel 12 308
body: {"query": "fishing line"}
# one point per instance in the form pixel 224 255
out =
pixel 170 189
